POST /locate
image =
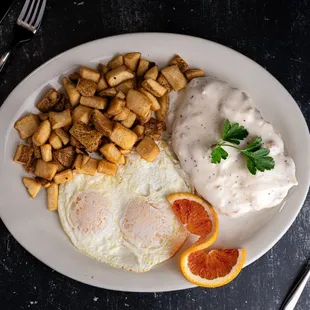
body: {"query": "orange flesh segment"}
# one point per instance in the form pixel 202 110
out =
pixel 212 265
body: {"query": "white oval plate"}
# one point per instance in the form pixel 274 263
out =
pixel 39 231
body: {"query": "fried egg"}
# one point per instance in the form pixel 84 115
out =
pixel 125 220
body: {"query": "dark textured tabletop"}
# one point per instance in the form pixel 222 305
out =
pixel 276 34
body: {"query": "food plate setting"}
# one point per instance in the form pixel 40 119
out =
pixel 142 169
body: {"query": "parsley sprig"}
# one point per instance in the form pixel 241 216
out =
pixel 256 156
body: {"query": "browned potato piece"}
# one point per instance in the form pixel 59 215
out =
pixel 118 75
pixel 143 120
pixel 138 103
pixel 120 95
pixel 86 88
pixel 89 74
pixel 73 94
pixel 123 115
pixel 60 119
pixel 63 177
pixel 129 121
pixel 131 60
pixel 60 167
pixel 106 167
pixel 36 149
pixel 163 82
pixel 102 123
pixel 180 62
pixel 81 114
pixel 43 116
pixel 102 84
pixel 154 88
pixel 126 86
pixel 151 73
pixel 46 151
pixel 27 126
pixel 49 100
pixel 85 159
pixel 23 154
pixel 103 69
pixel 62 104
pixel 45 170
pixel 122 160
pixel 78 161
pixel 110 152
pixel 89 168
pixel 42 134
pixel 52 197
pixel 117 61
pixel 143 67
pixel 175 77
pixel 123 137
pixel 193 73
pixel 124 152
pixel 75 143
pixel 116 106
pixel 54 141
pixel 154 129
pixel 109 92
pixel 65 156
pixel 43 182
pixel 74 77
pixel 155 104
pixel 31 166
pixel 64 136
pixel 147 149
pixel 32 186
pixel 95 102
pixel 139 131
pixel 164 107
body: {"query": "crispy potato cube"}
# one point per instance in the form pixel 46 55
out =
pixel 110 152
pixel 164 107
pixel 122 115
pixel 95 102
pixel 124 152
pixel 89 168
pixel 106 167
pixel 61 104
pixel 27 125
pixel 81 114
pixel 42 134
pixel 78 161
pixel 193 73
pixel 101 123
pixel 65 156
pixel 54 141
pixel 32 186
pixel 117 61
pixel 49 100
pixel 74 77
pixel 118 75
pixel 52 197
pixel 45 183
pixel 23 154
pixel 45 170
pixel 85 159
pixel 129 121
pixel 86 88
pixel 138 103
pixel 126 86
pixel 123 137
pixel 180 62
pixel 155 104
pixel 116 106
pixel 122 160
pixel 46 151
pixel 64 136
pixel 154 88
pixel 175 77
pixel 103 69
pixel 75 143
pixel 131 60
pixel 163 82
pixel 73 94
pixel 43 116
pixel 63 177
pixel 89 74
pixel 147 149
pixel 151 73
pixel 120 95
pixel 60 119
pixel 102 84
pixel 109 92
pixel 60 167
pixel 143 120
pixel 154 129
pixel 139 131
pixel 36 149
pixel 31 166
pixel 143 67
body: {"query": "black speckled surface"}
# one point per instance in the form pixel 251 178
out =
pixel 276 34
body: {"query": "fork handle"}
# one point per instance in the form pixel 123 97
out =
pixel 4 58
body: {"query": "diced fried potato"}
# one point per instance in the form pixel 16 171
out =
pixel 143 120
pixel 89 74
pixel 45 183
pixel 193 73
pixel 85 159
pixel 73 94
pixel 129 121
pixel 110 152
pixel 103 69
pixel 89 168
pixel 109 92
pixel 45 170
pixel 46 151
pixel 154 88
pixel 131 60
pixel 124 152
pixel 123 137
pixel 151 73
pixel 54 141
pixel 101 123
pixel 154 129
pixel 43 116
pixel 27 125
pixel 64 136
pixel 126 86
pixel 49 100
pixel 102 84
pixel 118 75
pixel 60 119
pixel 106 167
pixel 86 88
pixel 155 104
pixel 164 107
pixel 62 104
pixel 31 166
pixel 65 156
pixel 23 154
pixel 74 77
pixel 122 115
pixel 120 95
pixel 81 114
pixel 60 167
pixel 163 82
pixel 143 67
pixel 117 61
pixel 180 62
pixel 63 177
pixel 122 160
pixel 75 143
pixel 42 134
pixel 32 186
pixel 116 106
pixel 147 149
pixel 175 77
pixel 78 161
pixel 138 103
pixel 52 197
pixel 36 149
pixel 139 131
pixel 95 102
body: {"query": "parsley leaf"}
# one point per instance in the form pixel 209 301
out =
pixel 233 133
pixel 217 154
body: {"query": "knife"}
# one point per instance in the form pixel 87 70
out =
pixel 5 8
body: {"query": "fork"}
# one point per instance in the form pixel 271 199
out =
pixel 27 25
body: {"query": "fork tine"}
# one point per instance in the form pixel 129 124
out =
pixel 40 15
pixel 34 13
pixel 23 12
pixel 30 12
